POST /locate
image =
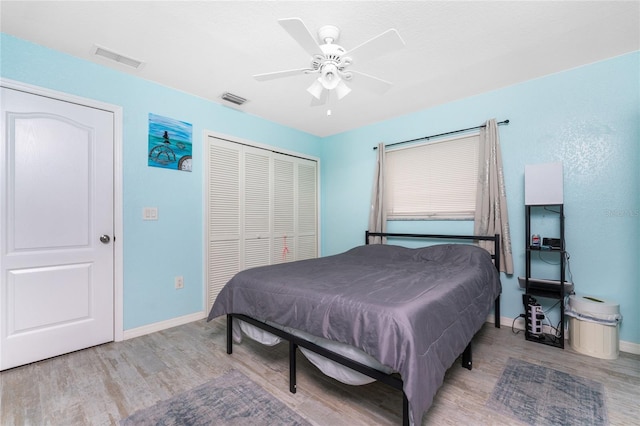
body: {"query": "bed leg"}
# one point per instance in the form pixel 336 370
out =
pixel 229 334
pixel 466 358
pixel 496 312
pixel 405 410
pixel 292 367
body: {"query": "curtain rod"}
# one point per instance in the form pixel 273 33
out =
pixel 442 134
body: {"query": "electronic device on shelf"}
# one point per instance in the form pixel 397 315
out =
pixel 546 285
pixel 553 243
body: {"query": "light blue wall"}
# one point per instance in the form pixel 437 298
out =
pixel 588 118
pixel 154 252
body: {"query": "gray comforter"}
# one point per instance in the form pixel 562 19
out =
pixel 414 310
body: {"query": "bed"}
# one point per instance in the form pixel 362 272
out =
pixel 410 311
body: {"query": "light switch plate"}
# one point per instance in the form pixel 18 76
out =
pixel 150 213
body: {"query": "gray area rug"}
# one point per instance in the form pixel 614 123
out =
pixel 537 395
pixel 231 399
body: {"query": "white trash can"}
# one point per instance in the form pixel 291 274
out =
pixel 594 326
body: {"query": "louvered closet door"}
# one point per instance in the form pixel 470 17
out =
pixel 257 207
pixel 224 215
pixel 295 213
pixel 307 209
pixel 284 244
pixel 262 210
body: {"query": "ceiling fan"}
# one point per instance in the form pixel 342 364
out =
pixel 332 63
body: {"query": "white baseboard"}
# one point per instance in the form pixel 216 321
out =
pixel 163 325
pixel 629 347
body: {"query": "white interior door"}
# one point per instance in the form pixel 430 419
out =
pixel 56 227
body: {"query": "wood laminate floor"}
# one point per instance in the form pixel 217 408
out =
pixel 101 385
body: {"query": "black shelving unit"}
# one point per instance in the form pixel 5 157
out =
pixel 548 292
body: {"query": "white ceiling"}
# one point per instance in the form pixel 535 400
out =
pixel 454 49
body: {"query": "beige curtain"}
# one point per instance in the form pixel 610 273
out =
pixel 378 212
pixel 491 216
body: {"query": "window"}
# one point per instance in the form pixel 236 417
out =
pixel 435 180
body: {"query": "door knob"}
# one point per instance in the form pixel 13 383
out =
pixel 104 239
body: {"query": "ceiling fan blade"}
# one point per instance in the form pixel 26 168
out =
pixel 280 74
pixel 387 42
pixel 300 33
pixel 375 84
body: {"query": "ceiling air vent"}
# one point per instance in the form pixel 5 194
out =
pixel 234 99
pixel 105 53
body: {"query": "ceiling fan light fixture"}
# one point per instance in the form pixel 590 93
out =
pixel 342 89
pixel 329 76
pixel 332 62
pixel 316 88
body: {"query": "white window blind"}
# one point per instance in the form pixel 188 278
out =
pixel 435 180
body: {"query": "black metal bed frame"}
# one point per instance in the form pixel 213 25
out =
pixel 394 380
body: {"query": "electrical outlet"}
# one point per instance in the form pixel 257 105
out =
pixel 179 282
